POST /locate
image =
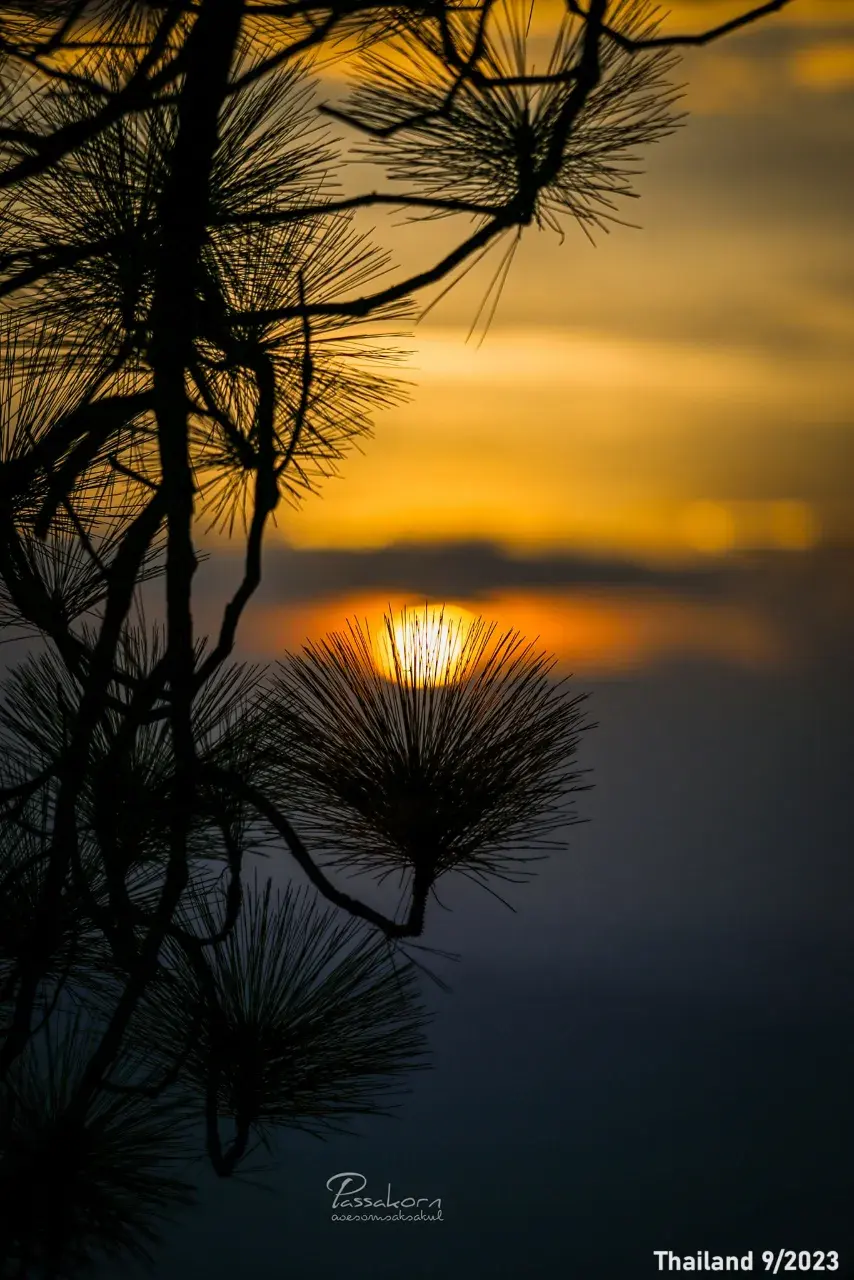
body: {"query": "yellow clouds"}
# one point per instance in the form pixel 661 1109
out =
pixel 813 50
pixel 825 66
pixel 699 15
pixel 719 527
pixel 732 76
pixel 548 438
pixel 543 358
pixel 731 79
pixel 692 16
pixel 525 515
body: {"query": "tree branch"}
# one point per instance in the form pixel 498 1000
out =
pixel 412 926
pixel 632 45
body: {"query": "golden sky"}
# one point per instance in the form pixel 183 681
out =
pixel 677 389
pixel 674 392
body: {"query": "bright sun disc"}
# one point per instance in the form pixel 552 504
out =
pixel 423 646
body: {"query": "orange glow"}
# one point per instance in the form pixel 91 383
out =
pixel 590 633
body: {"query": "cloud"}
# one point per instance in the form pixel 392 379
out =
pixel 701 15
pixel 764 612
pixel 605 441
pixel 827 67
pixel 458 569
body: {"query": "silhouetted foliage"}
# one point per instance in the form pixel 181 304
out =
pixel 495 145
pixel 313 1015
pixel 195 324
pixel 454 754
pixel 83 1184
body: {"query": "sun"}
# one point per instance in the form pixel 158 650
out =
pixel 423 646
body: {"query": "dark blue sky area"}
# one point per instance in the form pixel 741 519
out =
pixel 655 1051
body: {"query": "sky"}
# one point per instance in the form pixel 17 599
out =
pixel 626 387
pixel 674 395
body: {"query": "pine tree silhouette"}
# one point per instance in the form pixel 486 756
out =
pixel 194 328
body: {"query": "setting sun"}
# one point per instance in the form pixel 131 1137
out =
pixel 423 646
